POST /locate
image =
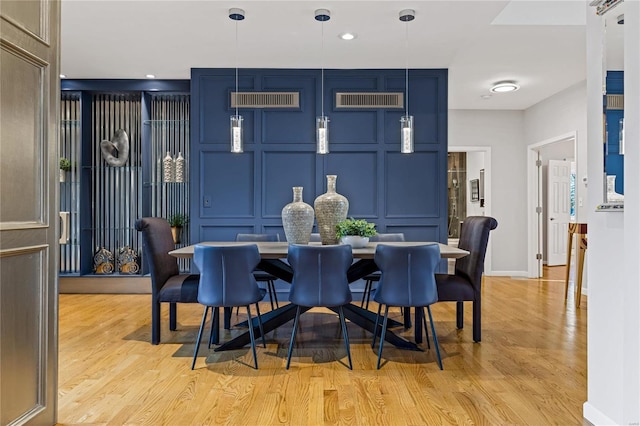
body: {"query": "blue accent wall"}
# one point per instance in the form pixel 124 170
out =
pixel 614 161
pixel 233 193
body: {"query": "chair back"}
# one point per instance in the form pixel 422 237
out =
pixel 157 242
pixel 397 236
pixel 474 237
pixel 407 274
pixel 258 237
pixel 320 275
pixel 226 274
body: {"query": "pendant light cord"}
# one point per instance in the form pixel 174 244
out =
pixel 322 71
pixel 236 68
pixel 406 76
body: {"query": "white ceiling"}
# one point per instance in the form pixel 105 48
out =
pixel 540 44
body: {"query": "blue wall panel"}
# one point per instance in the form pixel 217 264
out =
pixel 234 193
pixel 287 125
pixel 215 108
pixel 226 185
pixel 357 180
pixel 413 185
pixel 281 171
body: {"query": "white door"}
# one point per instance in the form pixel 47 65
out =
pixel 29 192
pixel 558 211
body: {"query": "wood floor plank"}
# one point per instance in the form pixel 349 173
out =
pixel 529 369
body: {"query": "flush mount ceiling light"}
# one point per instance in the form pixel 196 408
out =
pixel 505 86
pixel 63 76
pixel 150 76
pixel 236 120
pixel 322 122
pixel 406 121
pixel 348 36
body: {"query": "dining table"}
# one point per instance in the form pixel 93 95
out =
pixel 273 256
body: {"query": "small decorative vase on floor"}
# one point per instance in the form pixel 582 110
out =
pixel 297 219
pixel 331 208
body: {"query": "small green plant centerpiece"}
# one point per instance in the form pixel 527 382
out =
pixel 177 222
pixel 355 232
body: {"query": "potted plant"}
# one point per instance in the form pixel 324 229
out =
pixel 65 166
pixel 177 221
pixel 355 232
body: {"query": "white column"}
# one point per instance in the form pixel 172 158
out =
pixel 614 244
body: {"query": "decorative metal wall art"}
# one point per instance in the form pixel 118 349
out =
pixel 128 261
pixel 103 261
pixel 116 152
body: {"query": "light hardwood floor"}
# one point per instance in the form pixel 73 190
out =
pixel 530 368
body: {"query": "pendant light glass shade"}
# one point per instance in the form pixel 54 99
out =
pixel 237 145
pixel 406 134
pixel 322 135
pixel 236 134
pixel 322 122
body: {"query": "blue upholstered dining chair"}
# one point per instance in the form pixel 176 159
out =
pixel 375 277
pixel 226 280
pixel 320 279
pixel 407 279
pixel 262 276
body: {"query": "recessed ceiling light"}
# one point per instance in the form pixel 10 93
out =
pixel 505 86
pixel 63 76
pixel 151 76
pixel 348 36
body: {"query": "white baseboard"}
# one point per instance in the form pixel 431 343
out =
pixel 508 274
pixel 595 416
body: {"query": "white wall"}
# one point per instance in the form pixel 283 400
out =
pixel 558 115
pixel 503 132
pixel 613 326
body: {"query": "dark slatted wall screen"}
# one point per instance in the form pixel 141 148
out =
pixel 116 191
pixel 70 149
pixel 169 129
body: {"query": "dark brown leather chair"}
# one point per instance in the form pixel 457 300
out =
pixel 466 283
pixel 168 285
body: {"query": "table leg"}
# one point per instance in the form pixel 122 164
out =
pixel 418 325
pixel 571 230
pixel 366 319
pixel 582 247
pixel 270 321
pixel 407 316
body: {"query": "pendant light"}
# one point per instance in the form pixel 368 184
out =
pixel 236 120
pixel 406 121
pixel 322 122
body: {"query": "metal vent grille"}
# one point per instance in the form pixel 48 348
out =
pixel 370 100
pixel 615 102
pixel 265 100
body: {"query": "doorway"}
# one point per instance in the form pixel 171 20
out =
pixel 550 163
pixel 469 190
